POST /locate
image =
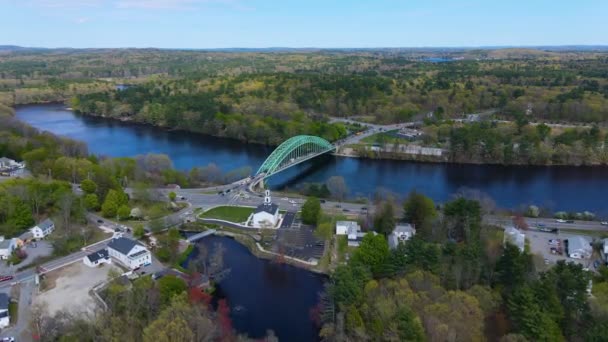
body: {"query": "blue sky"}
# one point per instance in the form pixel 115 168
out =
pixel 303 23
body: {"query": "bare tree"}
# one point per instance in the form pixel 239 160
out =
pixel 337 187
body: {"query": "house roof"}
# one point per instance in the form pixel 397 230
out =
pixel 4 160
pixel 3 301
pixel 100 254
pixel 122 245
pixel 270 208
pixel 5 244
pixel 349 224
pixel 515 237
pixel 45 225
pixel 579 243
pixel 404 228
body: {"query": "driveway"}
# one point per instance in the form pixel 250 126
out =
pixel 21 329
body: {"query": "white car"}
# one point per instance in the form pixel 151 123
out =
pixel 560 221
pixel 285 198
pixel 604 223
pixel 292 202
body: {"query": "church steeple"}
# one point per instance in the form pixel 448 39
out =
pixel 267 199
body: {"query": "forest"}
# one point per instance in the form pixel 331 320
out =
pixel 455 270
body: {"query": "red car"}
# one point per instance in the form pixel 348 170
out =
pixel 5 278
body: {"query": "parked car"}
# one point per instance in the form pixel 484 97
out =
pixel 99 221
pixel 6 278
pixel 322 201
pixel 554 242
pixel 560 221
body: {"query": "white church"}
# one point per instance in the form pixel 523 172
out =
pixel 266 215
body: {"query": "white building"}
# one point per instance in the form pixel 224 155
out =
pixel 352 230
pixel 515 237
pixel 400 234
pixel 97 258
pixel 7 247
pixel 605 250
pixel 4 314
pixel 579 248
pixel 129 253
pixel 266 215
pixel 7 164
pixel 43 229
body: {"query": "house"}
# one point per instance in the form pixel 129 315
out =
pixel 97 258
pixel 352 230
pixel 7 247
pixel 515 237
pixel 43 229
pixel 9 164
pixel 400 234
pixel 129 252
pixel 266 215
pixel 579 247
pixel 4 314
pixel 605 250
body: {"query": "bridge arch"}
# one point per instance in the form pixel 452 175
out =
pixel 294 151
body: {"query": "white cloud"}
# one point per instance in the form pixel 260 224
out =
pixel 172 4
pixel 64 3
pixel 81 20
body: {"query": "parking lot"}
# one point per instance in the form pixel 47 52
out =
pixel 68 287
pixel 552 247
pixel 299 242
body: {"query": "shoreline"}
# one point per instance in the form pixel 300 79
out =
pixel 380 155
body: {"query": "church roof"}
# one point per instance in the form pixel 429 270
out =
pixel 270 208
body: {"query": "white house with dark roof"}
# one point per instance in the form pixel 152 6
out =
pixel 4 314
pixel 43 229
pixel 97 258
pixel 400 234
pixel 129 252
pixel 266 215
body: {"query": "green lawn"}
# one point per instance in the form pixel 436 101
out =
pixel 13 311
pixel 228 213
pixel 384 138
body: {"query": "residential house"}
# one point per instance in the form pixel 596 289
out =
pixel 266 215
pixel 43 229
pixel 400 234
pixel 129 252
pixel 352 230
pixel 8 164
pixel 579 247
pixel 97 258
pixel 7 247
pixel 515 237
pixel 605 250
pixel 4 314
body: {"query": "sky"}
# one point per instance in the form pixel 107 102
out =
pixel 201 24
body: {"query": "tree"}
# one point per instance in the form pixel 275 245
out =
pixel 114 200
pixel 324 231
pixel 543 131
pixel 169 287
pixel 311 211
pixel 384 219
pixel 529 318
pixel 409 326
pixel 337 187
pixel 124 212
pixel 172 196
pixel 513 268
pixel 373 253
pixel 419 210
pixel 91 202
pixel 138 231
pixel 88 186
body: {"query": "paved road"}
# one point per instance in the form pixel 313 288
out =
pixel 549 223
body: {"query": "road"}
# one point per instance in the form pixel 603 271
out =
pixel 549 223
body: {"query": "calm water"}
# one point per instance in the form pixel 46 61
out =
pixel 268 296
pixel 558 188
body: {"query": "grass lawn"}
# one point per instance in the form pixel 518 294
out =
pixel 387 137
pixel 13 311
pixel 228 213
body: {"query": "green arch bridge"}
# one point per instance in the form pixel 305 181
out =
pixel 293 151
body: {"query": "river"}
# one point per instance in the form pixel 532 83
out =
pixel 556 188
pixel 264 295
